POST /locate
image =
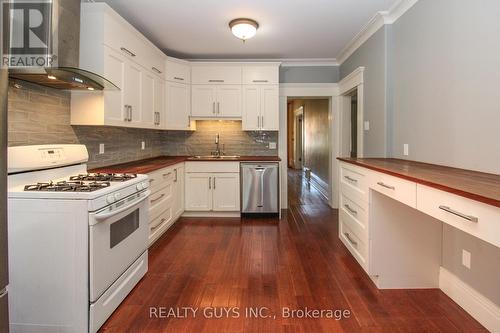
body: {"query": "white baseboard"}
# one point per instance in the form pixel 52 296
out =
pixel 478 306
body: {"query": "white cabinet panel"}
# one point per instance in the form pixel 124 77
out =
pixel 178 202
pixel 216 73
pixel 203 101
pixel 148 100
pixel 228 101
pixel 198 192
pixel 251 108
pixel 177 71
pixel 159 102
pixel 261 107
pixel 114 70
pixel 258 74
pixel 226 192
pixel 270 108
pixel 178 106
pixel 132 92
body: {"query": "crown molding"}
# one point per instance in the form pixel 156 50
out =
pixel 376 22
pixel 285 62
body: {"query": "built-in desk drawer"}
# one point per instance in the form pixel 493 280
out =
pixel 355 181
pixel 354 244
pixel 473 217
pixel 399 189
pixel 355 215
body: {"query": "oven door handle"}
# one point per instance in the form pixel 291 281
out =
pixel 102 216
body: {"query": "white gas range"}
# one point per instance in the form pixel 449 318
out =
pixel 77 241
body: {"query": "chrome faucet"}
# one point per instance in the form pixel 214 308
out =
pixel 218 152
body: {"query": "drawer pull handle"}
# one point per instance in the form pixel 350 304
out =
pixel 167 174
pixel 215 80
pixel 151 180
pixel 260 81
pixel 178 78
pixel 352 211
pixel 352 241
pixel 351 179
pixel 130 53
pixel 386 186
pixel 156 70
pixel 454 212
pixel 159 225
pixel 155 200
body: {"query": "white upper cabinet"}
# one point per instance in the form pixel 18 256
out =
pixel 215 73
pixel 204 101
pixel 214 101
pixel 178 95
pixel 260 74
pixel 229 101
pixel 178 110
pixel 260 107
pixel 177 71
pixel 111 47
pixel 269 108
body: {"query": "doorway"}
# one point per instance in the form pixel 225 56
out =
pixel 309 142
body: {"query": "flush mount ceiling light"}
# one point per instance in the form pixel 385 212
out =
pixel 243 28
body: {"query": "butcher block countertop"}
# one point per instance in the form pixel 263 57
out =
pixel 479 186
pixel 156 163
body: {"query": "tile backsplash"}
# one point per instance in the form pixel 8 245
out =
pixel 39 115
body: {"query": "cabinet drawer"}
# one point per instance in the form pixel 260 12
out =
pixel 159 225
pixel 178 72
pixel 216 74
pixel 260 74
pixel 399 189
pixel 207 167
pixel 473 217
pixel 354 244
pixel 160 178
pixel 356 216
pixel 354 180
pixel 159 200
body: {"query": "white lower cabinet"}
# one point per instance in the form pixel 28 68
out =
pixel 166 202
pixel 209 190
pixel 199 192
pixel 226 192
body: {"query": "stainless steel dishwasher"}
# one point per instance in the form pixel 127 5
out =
pixel 260 188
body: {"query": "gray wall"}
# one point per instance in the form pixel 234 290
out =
pixel 372 55
pixel 437 68
pixel 446 83
pixel 445 57
pixel 309 74
pixel 39 115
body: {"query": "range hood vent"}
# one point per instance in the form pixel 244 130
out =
pixel 59 33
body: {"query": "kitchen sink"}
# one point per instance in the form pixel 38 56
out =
pixel 212 157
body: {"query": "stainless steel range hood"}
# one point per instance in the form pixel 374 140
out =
pixel 60 35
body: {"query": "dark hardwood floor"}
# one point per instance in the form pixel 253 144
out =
pixel 296 263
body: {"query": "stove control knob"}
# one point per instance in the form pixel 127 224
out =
pixel 110 199
pixel 139 187
pixel 145 184
pixel 117 196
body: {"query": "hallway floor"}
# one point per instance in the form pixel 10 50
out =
pixel 297 262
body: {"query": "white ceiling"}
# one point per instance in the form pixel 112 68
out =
pixel 289 29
